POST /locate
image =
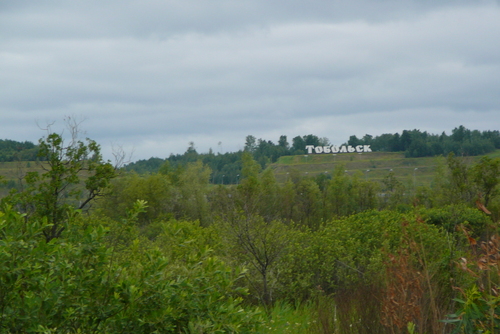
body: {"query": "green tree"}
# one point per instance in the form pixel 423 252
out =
pixel 192 187
pixel 287 197
pixel 74 174
pixel 393 191
pixel 405 140
pixel 269 198
pixel 283 142
pixel 298 145
pixel 261 244
pixel 249 187
pixel 486 175
pixel 250 144
pixel 354 141
pixel 459 180
pixel 308 204
pixel 337 193
pixel 311 140
pixel 156 189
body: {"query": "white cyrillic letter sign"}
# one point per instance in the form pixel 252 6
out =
pixel 337 149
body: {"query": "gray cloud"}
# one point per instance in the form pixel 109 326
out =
pixel 154 75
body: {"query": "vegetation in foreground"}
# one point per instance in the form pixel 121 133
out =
pixel 84 249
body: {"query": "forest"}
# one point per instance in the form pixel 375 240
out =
pixel 89 247
pixel 11 150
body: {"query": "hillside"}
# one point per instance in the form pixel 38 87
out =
pixel 374 166
pixel 12 171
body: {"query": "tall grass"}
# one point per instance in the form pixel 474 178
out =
pixel 350 311
pixel 288 319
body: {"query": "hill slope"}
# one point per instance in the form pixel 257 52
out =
pixel 374 166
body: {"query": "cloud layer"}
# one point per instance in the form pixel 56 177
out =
pixel 154 75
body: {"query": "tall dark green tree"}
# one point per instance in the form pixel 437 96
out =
pixel 283 142
pixel 298 145
pixel 250 144
pixel 354 141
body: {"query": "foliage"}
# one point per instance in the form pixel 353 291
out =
pixel 478 309
pixel 346 195
pixel 260 245
pixel 11 150
pixel 458 181
pixel 192 187
pixel 226 167
pixel 368 233
pixel 476 313
pixel 451 217
pixel 156 189
pixel 168 252
pixel 415 143
pixel 73 175
pixel 486 175
pixel 176 194
pixel 179 239
pixel 287 319
pixel 307 208
pixel 74 284
pixel 393 192
pixel 56 284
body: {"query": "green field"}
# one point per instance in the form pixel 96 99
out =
pixel 12 172
pixel 374 166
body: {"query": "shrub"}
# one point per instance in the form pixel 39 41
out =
pixel 76 283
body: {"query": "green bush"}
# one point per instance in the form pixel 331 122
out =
pixel 450 217
pixel 77 284
pixel 342 252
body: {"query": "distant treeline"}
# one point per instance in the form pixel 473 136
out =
pixel 11 150
pixel 415 143
pixel 226 168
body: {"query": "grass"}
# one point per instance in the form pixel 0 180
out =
pixel 373 166
pixel 12 172
pixel 287 319
pixel 349 312
pixel 495 154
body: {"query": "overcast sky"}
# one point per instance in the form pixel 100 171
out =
pixel 152 76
